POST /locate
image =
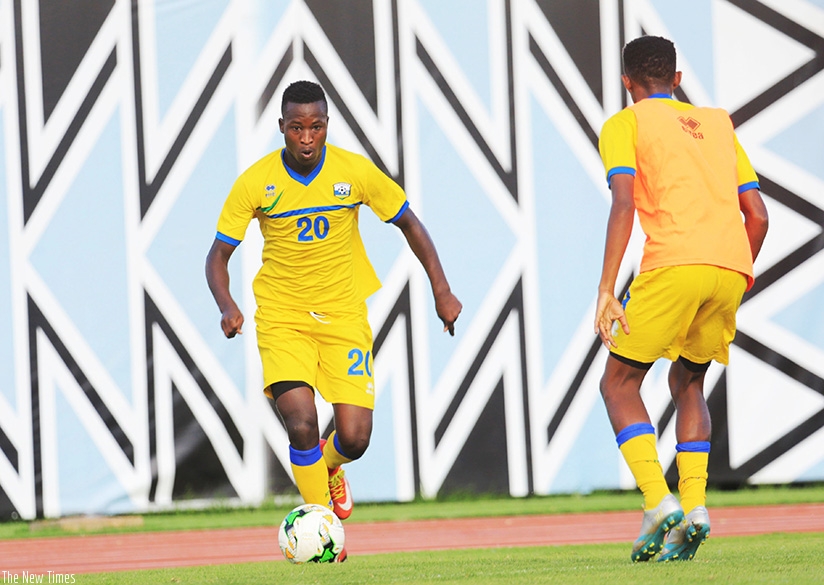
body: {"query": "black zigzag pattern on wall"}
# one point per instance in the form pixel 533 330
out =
pixel 350 119
pixel 800 255
pixel 483 463
pixel 33 188
pixel 9 450
pixel 569 18
pixel 508 177
pixel 794 30
pixel 38 322
pixel 60 28
pixel 558 84
pixel 478 448
pixel 149 187
pixel 190 441
pixel 342 22
pixel 7 509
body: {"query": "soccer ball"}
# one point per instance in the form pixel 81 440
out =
pixel 311 533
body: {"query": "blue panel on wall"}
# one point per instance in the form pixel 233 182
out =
pixel 264 16
pixel 805 318
pixel 82 256
pixel 695 49
pixel 471 237
pixel 567 204
pixel 801 143
pixel 470 48
pixel 6 331
pixel 179 250
pixel 87 484
pixel 182 30
pixel 813 474
pixel 593 461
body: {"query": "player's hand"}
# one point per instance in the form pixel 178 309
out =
pixel 231 321
pixel 448 308
pixel 608 311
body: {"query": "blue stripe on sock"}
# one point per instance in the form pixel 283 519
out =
pixel 633 431
pixel 304 458
pixel 336 443
pixel 693 447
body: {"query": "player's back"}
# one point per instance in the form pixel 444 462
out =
pixel 686 188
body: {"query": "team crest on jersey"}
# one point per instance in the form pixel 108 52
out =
pixel 342 190
pixel 270 190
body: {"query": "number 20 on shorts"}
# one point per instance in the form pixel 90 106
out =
pixel 360 363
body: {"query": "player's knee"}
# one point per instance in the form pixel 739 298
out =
pixel 353 447
pixel 303 433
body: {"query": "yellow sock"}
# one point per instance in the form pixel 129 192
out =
pixel 692 482
pixel 311 476
pixel 331 455
pixel 641 455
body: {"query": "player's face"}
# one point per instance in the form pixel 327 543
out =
pixel 304 130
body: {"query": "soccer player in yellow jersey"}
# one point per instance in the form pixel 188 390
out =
pixel 312 327
pixel 682 170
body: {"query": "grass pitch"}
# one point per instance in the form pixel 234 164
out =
pixel 795 559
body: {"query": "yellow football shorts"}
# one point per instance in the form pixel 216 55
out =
pixel 684 311
pixel 332 352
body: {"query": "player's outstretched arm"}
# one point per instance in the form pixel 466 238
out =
pixel 619 230
pixel 217 276
pixel 447 304
pixel 756 220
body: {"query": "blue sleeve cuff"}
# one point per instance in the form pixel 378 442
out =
pixel 398 215
pixel 227 239
pixel 748 186
pixel 620 171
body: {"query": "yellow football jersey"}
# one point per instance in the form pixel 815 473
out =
pixel 313 255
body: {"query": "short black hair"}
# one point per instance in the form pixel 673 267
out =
pixel 303 92
pixel 649 59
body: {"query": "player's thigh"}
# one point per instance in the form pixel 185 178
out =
pixel 659 306
pixel 714 325
pixel 345 373
pixel 287 350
